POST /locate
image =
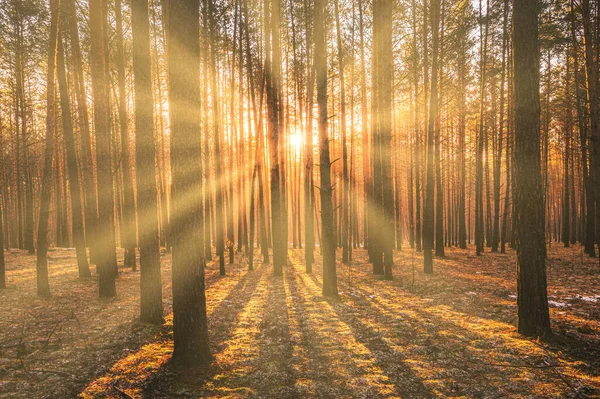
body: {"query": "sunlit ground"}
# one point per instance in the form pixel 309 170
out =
pixel 450 334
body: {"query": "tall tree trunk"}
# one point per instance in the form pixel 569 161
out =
pixel 383 197
pixel 566 205
pixel 190 326
pixel 217 125
pixel 128 240
pixel 532 300
pixel 593 100
pixel 89 189
pixel 151 309
pixel 76 215
pixel 439 188
pixel 462 147
pixel 273 71
pixel 43 286
pixel 417 130
pixel 428 216
pixel 479 214
pixel 345 236
pixel 498 158
pixel 107 257
pixel 309 195
pixel 364 128
pixel 327 220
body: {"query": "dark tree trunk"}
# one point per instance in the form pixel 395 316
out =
pixel 151 309
pixel 89 189
pixel 462 77
pixel 69 139
pixel 327 220
pixel 107 257
pixel 43 286
pixel 588 195
pixel 593 100
pixel 568 124
pixel 190 326
pixel 498 158
pixel 309 195
pixel 128 240
pixel 532 300
pixel 383 207
pixel 428 216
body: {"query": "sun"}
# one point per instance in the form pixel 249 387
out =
pixel 296 140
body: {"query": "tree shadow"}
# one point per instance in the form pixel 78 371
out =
pixel 222 323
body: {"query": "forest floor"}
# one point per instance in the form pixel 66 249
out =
pixel 450 334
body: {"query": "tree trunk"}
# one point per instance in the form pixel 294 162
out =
pixel 190 326
pixel 592 91
pixel 151 309
pixel 107 258
pixel 77 218
pixel 532 300
pixel 309 195
pixel 327 220
pixel 89 189
pixel 428 216
pixel 128 240
pixel 43 286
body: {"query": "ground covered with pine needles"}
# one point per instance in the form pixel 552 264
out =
pixel 450 334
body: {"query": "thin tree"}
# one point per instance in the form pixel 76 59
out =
pixel 72 167
pixel 43 286
pixel 309 188
pixel 428 216
pixel 89 188
pixel 128 225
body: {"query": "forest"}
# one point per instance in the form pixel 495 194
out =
pixel 299 199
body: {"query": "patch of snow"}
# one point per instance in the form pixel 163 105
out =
pixel 557 304
pixel 512 296
pixel 592 299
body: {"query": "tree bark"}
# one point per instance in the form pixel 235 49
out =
pixel 190 325
pixel 69 139
pixel 43 286
pixel 151 309
pixel 327 220
pixel 128 235
pixel 107 257
pixel 532 300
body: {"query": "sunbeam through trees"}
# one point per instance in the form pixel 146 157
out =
pixel 299 198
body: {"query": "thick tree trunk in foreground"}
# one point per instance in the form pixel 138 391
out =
pixel 532 300
pixel 43 286
pixel 327 217
pixel 151 309
pixel 190 325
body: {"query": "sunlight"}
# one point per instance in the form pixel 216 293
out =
pixel 296 141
